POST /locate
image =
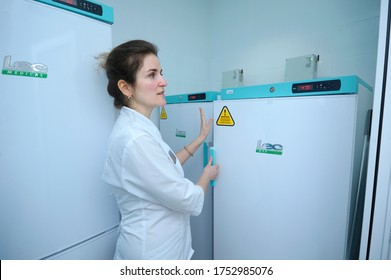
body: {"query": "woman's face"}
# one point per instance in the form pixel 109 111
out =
pixel 148 91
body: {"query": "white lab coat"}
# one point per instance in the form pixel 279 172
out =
pixel 154 198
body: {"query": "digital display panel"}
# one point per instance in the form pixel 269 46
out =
pixel 83 5
pixel 69 2
pixel 328 85
pixel 197 96
pixel 305 87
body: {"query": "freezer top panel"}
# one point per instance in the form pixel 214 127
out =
pixel 90 9
pixel 205 96
pixel 326 86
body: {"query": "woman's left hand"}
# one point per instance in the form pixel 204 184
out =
pixel 205 126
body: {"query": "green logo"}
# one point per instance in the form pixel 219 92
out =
pixel 24 69
pixel 180 133
pixel 268 148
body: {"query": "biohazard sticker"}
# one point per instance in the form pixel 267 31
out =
pixel 225 118
pixel 163 114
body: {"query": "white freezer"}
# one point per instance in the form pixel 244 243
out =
pixel 179 126
pixel 53 134
pixel 289 169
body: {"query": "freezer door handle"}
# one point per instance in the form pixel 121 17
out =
pixel 209 151
pixel 206 153
pixel 213 155
pixel 207 146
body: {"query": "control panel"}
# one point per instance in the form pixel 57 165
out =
pixel 83 5
pixel 196 96
pixel 329 85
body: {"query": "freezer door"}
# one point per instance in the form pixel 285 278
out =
pixel 285 179
pixel 53 132
pixel 180 128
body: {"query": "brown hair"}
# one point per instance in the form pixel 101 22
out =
pixel 122 63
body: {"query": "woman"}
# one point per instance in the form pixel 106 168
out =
pixel 154 198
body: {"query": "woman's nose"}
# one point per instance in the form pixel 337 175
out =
pixel 163 82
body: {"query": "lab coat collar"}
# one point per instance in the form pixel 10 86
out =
pixel 141 120
pixel 144 123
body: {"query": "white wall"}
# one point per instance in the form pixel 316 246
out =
pixel 199 39
pixel 179 28
pixel 258 35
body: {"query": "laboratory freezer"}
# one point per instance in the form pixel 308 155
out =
pixel 290 156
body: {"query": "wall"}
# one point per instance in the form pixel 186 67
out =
pixel 180 29
pixel 199 39
pixel 258 35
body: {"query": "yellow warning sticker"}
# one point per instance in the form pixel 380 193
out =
pixel 225 118
pixel 163 114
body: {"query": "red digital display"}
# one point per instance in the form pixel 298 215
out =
pixel 68 2
pixel 196 96
pixel 304 87
pixel 83 5
pixel 71 2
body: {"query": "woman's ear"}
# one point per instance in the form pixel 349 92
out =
pixel 125 88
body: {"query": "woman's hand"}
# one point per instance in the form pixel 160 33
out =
pixel 205 126
pixel 210 173
pixel 189 150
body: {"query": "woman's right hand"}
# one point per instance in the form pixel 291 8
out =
pixel 210 173
pixel 212 170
